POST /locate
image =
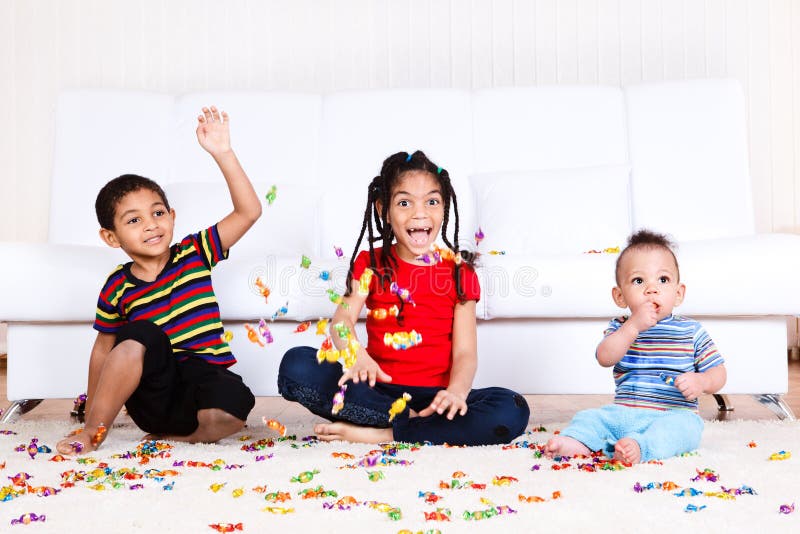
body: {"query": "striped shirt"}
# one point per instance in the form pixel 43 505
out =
pixel 675 345
pixel 180 300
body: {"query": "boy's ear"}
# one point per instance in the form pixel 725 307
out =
pixel 619 299
pixel 109 238
pixel 680 293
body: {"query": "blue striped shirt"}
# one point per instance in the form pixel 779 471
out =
pixel 675 345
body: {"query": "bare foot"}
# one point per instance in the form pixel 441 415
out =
pixel 79 442
pixel 340 431
pixel 627 450
pixel 565 446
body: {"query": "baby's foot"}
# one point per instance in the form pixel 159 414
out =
pixel 565 446
pixel 340 431
pixel 627 450
pixel 82 440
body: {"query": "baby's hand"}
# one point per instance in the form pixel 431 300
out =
pixel 691 385
pixel 213 132
pixel 645 316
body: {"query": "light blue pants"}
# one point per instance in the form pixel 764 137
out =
pixel 660 434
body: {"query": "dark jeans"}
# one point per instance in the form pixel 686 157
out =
pixel 494 415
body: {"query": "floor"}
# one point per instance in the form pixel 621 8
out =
pixel 545 408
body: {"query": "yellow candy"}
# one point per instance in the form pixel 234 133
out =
pixel 398 406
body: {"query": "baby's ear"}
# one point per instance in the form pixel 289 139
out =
pixel 680 293
pixel 619 299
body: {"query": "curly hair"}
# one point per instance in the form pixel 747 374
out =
pixel 646 240
pixel 105 206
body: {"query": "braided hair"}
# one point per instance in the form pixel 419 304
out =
pixel 374 223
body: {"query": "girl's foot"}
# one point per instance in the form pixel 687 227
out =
pixel 340 431
pixel 627 450
pixel 565 446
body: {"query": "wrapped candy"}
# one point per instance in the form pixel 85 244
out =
pixel 226 336
pixel 226 527
pixel 503 480
pixel 278 496
pixel 402 340
pixel 263 290
pixel 350 353
pixel 305 262
pixel 302 327
pixel 322 327
pixel 325 275
pixel 398 406
pixel 271 195
pixel 327 352
pixel 280 312
pixel 404 294
pixel 27 519
pixel 99 435
pixel 338 400
pixel 786 508
pixel 497 252
pixel 33 448
pixel 253 335
pixel 338 251
pixel 379 314
pixel 782 455
pixel 478 236
pixel 305 476
pixel 336 298
pixel 275 425
pixel 277 510
pixel 364 281
pixel 263 331
pixel 342 330
pixel 668 379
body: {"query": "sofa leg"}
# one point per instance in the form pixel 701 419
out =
pixel 777 405
pixel 18 408
pixel 722 403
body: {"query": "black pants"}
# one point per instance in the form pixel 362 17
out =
pixel 170 392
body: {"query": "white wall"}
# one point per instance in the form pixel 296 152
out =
pixel 322 45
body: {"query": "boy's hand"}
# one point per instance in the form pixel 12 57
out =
pixel 446 400
pixel 213 132
pixel 691 385
pixel 365 370
pixel 644 317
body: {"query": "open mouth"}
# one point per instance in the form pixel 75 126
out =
pixel 419 236
pixel 153 240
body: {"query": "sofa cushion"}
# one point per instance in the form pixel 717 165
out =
pixel 564 211
pixel 289 226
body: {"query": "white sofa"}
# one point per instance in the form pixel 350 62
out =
pixel 548 173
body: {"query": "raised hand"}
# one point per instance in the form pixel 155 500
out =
pixel 213 132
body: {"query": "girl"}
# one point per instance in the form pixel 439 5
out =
pixel 421 328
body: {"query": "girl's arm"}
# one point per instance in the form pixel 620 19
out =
pixel 465 364
pixel 213 135
pixel 103 344
pixel 365 369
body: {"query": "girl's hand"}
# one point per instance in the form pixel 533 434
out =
pixel 365 370
pixel 691 385
pixel 446 400
pixel 213 132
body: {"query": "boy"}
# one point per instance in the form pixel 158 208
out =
pixel 159 349
pixel 662 364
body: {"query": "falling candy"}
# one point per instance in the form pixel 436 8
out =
pixel 305 262
pixel 274 425
pixel 302 327
pixel 478 236
pixel 325 275
pixel 263 331
pixel 226 336
pixel 338 400
pixel 398 406
pixel 322 327
pixel 271 195
pixel 364 281
pixel 263 290
pixel 280 312
pixel 338 251
pixel 379 314
pixel 402 340
pixel 404 294
pixel 786 508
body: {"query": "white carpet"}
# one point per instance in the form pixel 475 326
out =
pixel 601 501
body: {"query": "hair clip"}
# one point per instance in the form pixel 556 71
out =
pixel 438 170
pixel 408 158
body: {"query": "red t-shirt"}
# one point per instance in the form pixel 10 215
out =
pixel 433 289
